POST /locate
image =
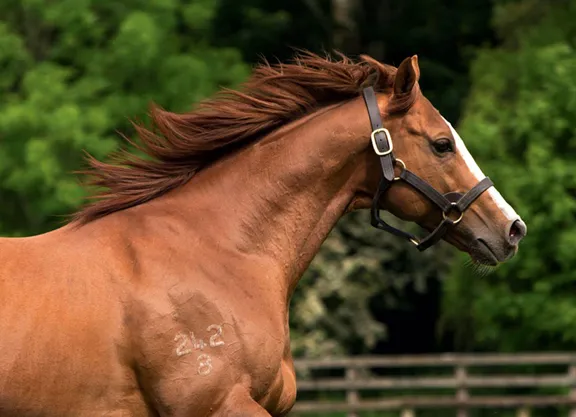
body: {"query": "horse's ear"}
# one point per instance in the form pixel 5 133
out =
pixel 407 76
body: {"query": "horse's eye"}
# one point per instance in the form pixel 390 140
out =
pixel 443 146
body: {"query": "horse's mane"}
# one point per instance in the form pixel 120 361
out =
pixel 179 145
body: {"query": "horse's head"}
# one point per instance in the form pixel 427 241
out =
pixel 435 180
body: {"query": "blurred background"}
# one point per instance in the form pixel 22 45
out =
pixel 73 72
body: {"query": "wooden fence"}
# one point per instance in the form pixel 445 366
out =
pixel 403 384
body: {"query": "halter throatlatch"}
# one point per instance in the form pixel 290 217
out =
pixel 451 203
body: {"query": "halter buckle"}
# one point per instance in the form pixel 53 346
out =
pixel 388 139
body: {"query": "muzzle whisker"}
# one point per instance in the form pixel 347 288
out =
pixel 479 269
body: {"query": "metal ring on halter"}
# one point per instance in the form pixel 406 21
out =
pixel 388 138
pixel 414 241
pixel 452 205
pixel 401 162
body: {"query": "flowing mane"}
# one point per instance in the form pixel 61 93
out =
pixel 179 145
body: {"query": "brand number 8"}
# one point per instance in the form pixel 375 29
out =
pixel 204 364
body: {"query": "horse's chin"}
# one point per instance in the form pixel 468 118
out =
pixel 481 253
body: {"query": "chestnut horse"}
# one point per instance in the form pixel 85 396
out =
pixel 168 295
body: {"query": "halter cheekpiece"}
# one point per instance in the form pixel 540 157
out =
pixel 452 202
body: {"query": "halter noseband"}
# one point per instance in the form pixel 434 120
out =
pixel 452 201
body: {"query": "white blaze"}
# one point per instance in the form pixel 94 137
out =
pixel 475 169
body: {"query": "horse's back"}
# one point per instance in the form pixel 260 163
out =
pixel 62 342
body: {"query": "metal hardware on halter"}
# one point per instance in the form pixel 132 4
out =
pixel 388 138
pixel 445 202
pixel 401 162
pixel 445 215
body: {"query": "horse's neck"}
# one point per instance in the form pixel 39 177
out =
pixel 280 197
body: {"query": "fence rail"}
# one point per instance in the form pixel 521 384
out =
pixel 469 375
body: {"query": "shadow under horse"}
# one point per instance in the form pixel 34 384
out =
pixel 168 294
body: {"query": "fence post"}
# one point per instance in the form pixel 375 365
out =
pixel 352 394
pixel 461 391
pixel 523 412
pixel 407 412
pixel 572 383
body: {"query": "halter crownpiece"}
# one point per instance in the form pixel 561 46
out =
pixel 448 203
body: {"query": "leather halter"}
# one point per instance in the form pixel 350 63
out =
pixel 451 202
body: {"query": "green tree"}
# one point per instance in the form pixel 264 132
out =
pixel 520 122
pixel 74 71
pixel 358 280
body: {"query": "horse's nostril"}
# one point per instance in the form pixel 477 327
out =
pixel 517 232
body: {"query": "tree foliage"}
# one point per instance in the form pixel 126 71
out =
pixel 359 276
pixel 520 123
pixel 74 72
